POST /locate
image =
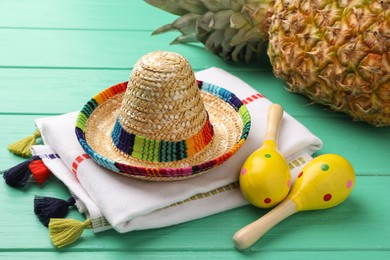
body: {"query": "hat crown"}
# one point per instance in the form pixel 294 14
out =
pixel 162 115
pixel 162 100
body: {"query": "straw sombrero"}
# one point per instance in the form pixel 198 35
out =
pixel 162 124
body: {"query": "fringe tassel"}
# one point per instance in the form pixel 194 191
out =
pixel 18 175
pixel 48 207
pixel 64 232
pixel 39 171
pixel 22 147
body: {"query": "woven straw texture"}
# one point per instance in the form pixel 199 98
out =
pixel 162 100
pixel 159 125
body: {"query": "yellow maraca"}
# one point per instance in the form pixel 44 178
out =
pixel 265 179
pixel 324 182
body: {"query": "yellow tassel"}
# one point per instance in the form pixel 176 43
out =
pixel 22 147
pixel 64 232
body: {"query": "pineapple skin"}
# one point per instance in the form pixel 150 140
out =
pixel 336 53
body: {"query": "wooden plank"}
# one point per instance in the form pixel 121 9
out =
pixel 32 48
pixel 73 87
pixel 50 91
pixel 13 128
pixel 82 15
pixel 63 90
pixel 223 255
pixel 365 146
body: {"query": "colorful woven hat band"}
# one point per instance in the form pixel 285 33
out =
pixel 155 150
pixel 164 125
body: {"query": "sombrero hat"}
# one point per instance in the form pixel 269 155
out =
pixel 162 124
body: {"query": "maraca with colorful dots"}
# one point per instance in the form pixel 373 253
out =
pixel 265 178
pixel 323 183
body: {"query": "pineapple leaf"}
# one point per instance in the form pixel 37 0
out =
pixel 171 6
pixel 185 24
pixel 185 39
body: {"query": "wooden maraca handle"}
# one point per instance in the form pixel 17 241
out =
pixel 252 232
pixel 274 117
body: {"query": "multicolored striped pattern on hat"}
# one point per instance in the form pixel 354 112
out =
pixel 155 150
pixel 149 171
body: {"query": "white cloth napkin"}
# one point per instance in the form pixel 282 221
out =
pixel 126 204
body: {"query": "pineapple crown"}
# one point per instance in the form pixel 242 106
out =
pixel 233 29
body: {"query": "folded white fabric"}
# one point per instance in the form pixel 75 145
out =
pixel 126 204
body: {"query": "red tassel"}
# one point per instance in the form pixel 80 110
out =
pixel 39 171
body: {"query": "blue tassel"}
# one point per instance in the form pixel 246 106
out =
pixel 18 175
pixel 48 207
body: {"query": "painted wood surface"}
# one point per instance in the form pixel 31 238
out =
pixel 55 55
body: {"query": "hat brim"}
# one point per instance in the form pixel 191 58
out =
pixel 228 115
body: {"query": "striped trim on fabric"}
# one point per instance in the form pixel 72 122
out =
pixel 79 159
pixel 50 156
pixel 208 194
pixel 252 98
pixel 100 222
pixel 153 150
pixel 298 162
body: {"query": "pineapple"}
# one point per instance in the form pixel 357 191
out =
pixel 334 52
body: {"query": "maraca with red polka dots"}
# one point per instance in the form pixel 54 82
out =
pixel 324 182
pixel 265 178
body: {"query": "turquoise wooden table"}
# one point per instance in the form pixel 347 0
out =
pixel 55 55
